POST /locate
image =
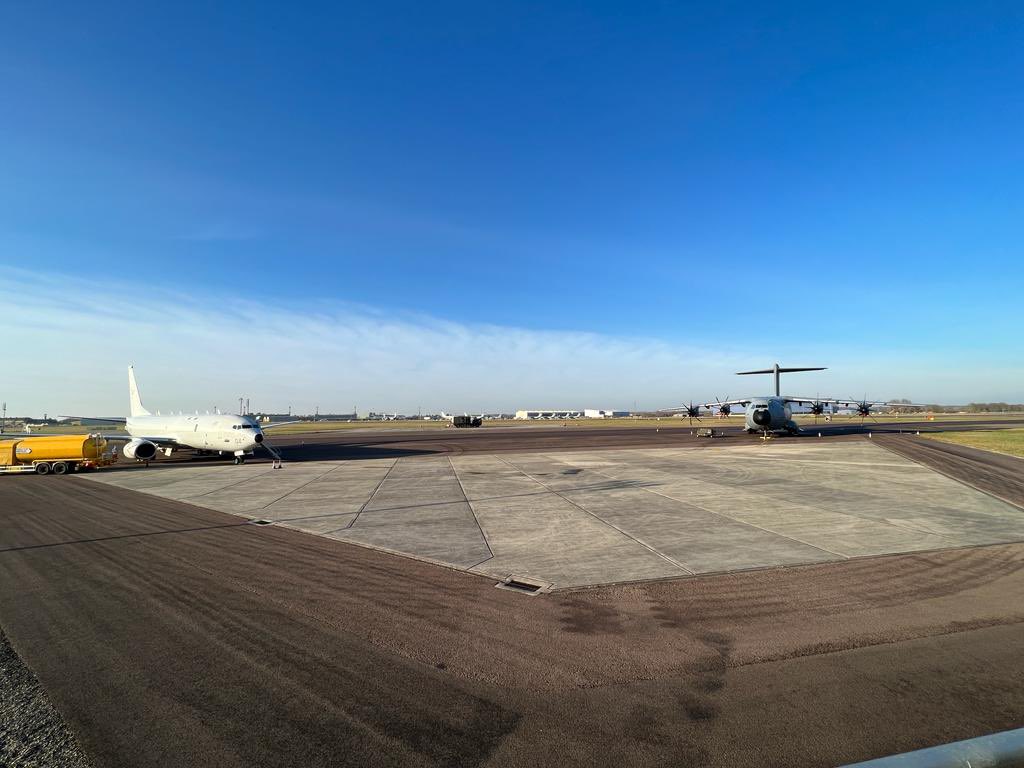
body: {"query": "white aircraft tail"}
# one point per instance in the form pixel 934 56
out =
pixel 135 401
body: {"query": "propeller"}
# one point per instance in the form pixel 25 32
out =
pixel 692 412
pixel 724 409
pixel 864 409
pixel 817 408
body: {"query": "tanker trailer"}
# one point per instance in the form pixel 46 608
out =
pixel 58 454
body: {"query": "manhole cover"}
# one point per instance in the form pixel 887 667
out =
pixel 525 585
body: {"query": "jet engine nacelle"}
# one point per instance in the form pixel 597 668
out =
pixel 143 450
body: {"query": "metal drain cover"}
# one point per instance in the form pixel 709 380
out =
pixel 524 584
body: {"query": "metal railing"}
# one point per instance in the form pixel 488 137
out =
pixel 999 750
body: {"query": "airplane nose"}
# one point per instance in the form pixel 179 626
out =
pixel 258 437
pixel 762 418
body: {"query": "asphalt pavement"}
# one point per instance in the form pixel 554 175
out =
pixel 166 635
pixel 395 443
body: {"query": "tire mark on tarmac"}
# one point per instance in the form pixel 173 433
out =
pixel 287 677
pixel 122 536
pixel 172 698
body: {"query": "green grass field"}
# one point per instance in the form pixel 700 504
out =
pixel 71 429
pixel 1008 441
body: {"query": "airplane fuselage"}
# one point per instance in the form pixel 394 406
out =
pixel 223 433
pixel 770 414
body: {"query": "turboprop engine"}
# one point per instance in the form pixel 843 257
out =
pixel 140 449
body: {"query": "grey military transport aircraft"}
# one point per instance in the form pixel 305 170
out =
pixel 773 413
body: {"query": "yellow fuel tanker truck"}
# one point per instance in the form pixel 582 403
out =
pixel 58 454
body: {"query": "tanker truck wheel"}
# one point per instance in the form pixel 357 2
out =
pixel 60 468
pixel 42 469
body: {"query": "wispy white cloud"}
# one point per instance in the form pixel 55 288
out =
pixel 68 341
pixel 73 339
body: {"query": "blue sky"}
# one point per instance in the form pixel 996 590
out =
pixel 810 183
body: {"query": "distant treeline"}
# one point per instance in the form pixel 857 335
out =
pixel 978 408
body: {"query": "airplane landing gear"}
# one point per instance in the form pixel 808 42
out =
pixel 239 459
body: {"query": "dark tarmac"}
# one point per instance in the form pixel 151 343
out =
pixel 169 635
pixel 384 443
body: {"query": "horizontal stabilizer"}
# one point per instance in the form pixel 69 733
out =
pixel 780 370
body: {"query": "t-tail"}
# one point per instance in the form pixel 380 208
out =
pixel 135 401
pixel 777 370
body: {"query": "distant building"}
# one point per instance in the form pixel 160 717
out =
pixel 549 413
pixel 571 413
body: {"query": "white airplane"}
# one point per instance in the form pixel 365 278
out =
pixel 221 433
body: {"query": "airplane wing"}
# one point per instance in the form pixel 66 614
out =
pixel 881 404
pixel 265 427
pixel 110 437
pixel 850 402
pixel 104 419
pixel 125 438
pixel 685 408
pixel 118 436
pixel 743 401
pixel 811 400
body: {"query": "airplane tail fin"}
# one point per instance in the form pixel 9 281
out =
pixel 135 401
pixel 777 369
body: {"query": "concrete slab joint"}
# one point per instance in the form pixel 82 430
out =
pixel 579 518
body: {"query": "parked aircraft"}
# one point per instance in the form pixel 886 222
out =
pixel 773 413
pixel 220 433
